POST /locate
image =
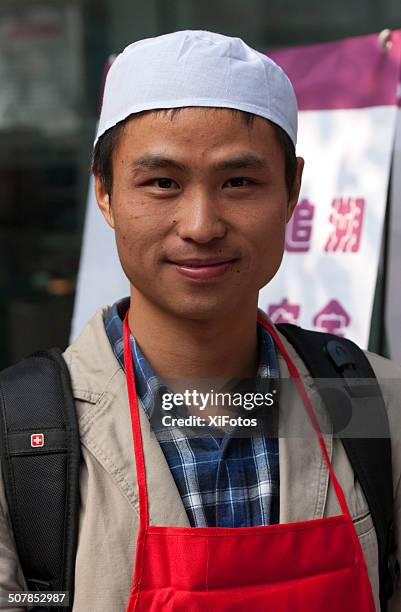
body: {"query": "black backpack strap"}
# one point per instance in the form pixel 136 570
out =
pixel 330 356
pixel 41 481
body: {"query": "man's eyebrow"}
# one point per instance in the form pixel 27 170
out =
pixel 156 161
pixel 248 160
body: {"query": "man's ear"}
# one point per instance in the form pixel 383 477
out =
pixel 103 200
pixel 296 188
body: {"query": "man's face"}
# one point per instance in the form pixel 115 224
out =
pixel 192 190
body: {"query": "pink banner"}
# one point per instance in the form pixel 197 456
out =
pixel 353 73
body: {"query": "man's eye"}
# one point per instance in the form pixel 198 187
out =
pixel 164 183
pixel 238 181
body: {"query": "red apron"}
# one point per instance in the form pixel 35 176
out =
pixel 309 566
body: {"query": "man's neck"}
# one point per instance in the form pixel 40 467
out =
pixel 181 348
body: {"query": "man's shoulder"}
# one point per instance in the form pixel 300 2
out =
pixel 382 366
pixel 388 374
pixel 90 358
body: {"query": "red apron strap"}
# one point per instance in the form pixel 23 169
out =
pixel 309 408
pixel 136 428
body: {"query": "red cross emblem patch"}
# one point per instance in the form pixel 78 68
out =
pixel 37 439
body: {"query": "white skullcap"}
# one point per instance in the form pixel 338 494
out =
pixel 197 68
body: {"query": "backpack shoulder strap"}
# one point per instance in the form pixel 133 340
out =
pixel 330 356
pixel 40 460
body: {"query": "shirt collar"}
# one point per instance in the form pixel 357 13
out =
pixel 147 382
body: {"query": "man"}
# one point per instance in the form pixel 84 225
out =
pixel 195 170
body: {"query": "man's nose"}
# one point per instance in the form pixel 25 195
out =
pixel 200 219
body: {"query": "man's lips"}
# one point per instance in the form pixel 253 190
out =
pixel 200 263
pixel 203 269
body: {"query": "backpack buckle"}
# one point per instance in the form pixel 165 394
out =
pixel 342 359
pixel 345 364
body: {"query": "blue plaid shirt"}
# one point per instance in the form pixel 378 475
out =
pixel 224 480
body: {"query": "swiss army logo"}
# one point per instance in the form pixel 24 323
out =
pixel 37 439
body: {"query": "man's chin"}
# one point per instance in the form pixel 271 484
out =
pixel 195 307
pixel 196 310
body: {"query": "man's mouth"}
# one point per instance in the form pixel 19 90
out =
pixel 200 263
pixel 203 269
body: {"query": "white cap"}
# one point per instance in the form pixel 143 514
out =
pixel 197 68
